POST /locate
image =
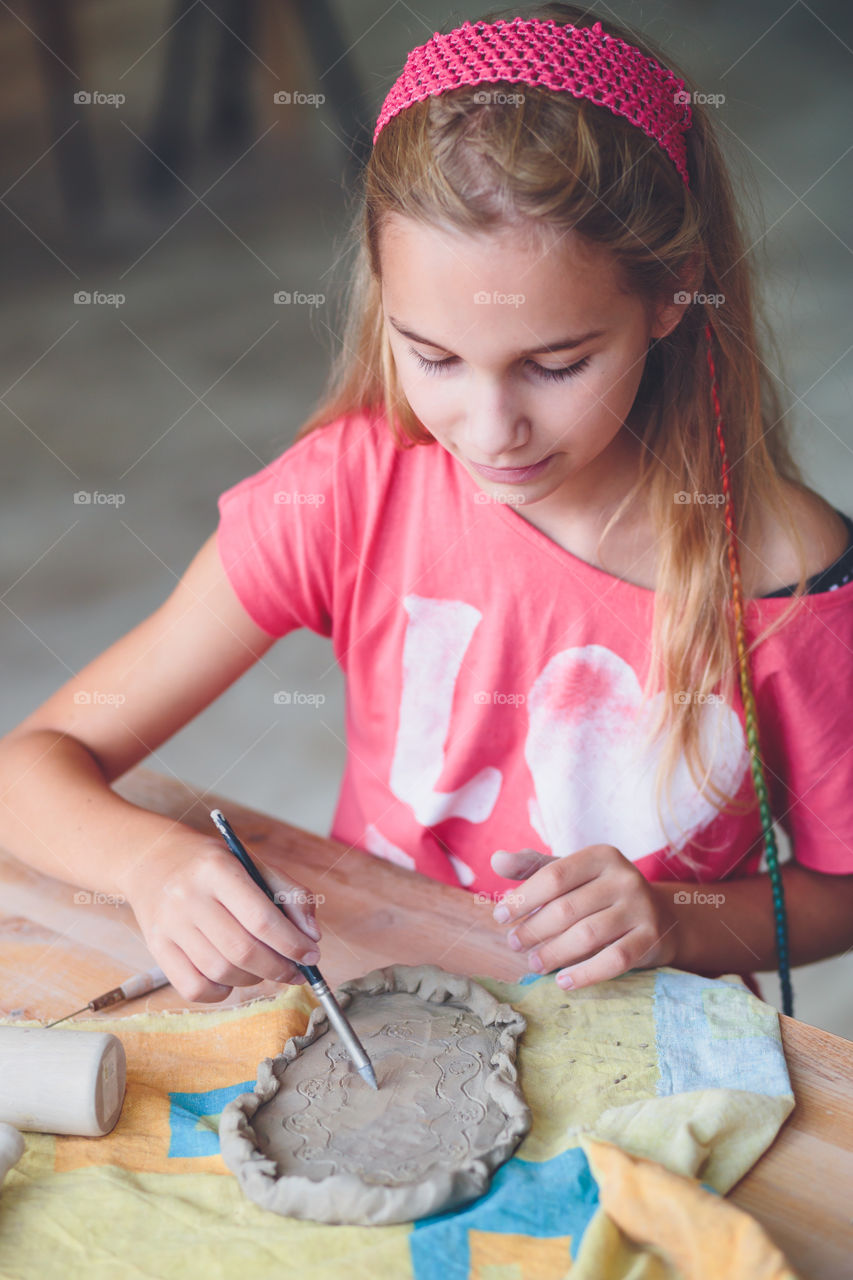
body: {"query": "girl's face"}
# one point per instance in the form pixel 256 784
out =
pixel 522 361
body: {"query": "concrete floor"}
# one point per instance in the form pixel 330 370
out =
pixel 199 379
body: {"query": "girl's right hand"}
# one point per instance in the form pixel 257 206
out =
pixel 208 925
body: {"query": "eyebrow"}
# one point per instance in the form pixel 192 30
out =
pixel 564 344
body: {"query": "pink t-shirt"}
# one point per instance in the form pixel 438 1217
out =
pixel 490 673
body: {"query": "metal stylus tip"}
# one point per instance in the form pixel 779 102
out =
pixel 367 1074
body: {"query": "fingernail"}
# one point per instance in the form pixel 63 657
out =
pixel 533 962
pixel 310 957
pixel 514 941
pixel 311 929
pixel 564 980
pixel 500 915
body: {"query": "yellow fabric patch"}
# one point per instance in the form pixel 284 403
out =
pixel 583 1052
pixel 703 1237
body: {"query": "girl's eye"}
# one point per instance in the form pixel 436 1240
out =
pixel 548 375
pixel 556 375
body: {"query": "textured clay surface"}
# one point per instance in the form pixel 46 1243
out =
pixel 315 1141
pixel 431 1109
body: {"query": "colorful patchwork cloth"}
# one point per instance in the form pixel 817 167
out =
pixel 651 1095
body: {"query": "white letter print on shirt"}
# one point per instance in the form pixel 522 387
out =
pixel 437 635
pixel 592 775
pixel 593 771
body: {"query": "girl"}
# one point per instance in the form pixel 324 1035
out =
pixel 549 518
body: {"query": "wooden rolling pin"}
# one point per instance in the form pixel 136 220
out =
pixel 61 1081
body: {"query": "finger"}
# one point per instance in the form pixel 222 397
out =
pixel 187 980
pixel 612 962
pixel 583 941
pixel 297 903
pixel 557 877
pixel 241 957
pixel 261 918
pixel 559 915
pixel 212 964
pixel 520 865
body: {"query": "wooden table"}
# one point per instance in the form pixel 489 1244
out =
pixel 376 914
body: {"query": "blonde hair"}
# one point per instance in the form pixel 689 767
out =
pixel 557 162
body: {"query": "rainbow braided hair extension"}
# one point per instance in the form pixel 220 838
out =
pixel 750 713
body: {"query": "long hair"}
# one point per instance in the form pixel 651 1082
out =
pixel 557 162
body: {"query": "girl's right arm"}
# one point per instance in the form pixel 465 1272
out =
pixel 209 927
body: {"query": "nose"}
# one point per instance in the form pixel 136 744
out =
pixel 496 426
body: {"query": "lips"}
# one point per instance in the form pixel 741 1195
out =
pixel 512 475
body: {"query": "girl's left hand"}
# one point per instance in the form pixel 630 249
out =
pixel 592 912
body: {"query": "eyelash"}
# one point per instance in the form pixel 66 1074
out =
pixel 548 375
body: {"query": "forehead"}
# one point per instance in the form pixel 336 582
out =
pixel 421 263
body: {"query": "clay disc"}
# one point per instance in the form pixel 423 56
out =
pixel 315 1141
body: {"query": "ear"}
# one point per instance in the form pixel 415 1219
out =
pixel 669 312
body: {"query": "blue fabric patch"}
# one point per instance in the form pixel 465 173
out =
pixel 555 1198
pixel 189 1137
pixel 730 1051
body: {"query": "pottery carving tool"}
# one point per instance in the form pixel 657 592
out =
pixel 151 980
pixel 312 974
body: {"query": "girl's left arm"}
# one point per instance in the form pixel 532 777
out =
pixel 738 932
pixel 594 916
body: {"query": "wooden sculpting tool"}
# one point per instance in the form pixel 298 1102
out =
pixel 334 1012
pixel 151 980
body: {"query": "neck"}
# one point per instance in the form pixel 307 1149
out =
pixel 591 497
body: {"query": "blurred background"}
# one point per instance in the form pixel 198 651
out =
pixel 167 168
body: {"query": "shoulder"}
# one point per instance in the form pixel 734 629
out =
pixel 353 438
pixel 768 550
pixel 357 431
pixel 352 448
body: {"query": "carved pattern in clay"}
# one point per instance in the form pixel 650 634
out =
pixel 314 1141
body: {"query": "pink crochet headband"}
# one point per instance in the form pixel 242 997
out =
pixel 583 61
